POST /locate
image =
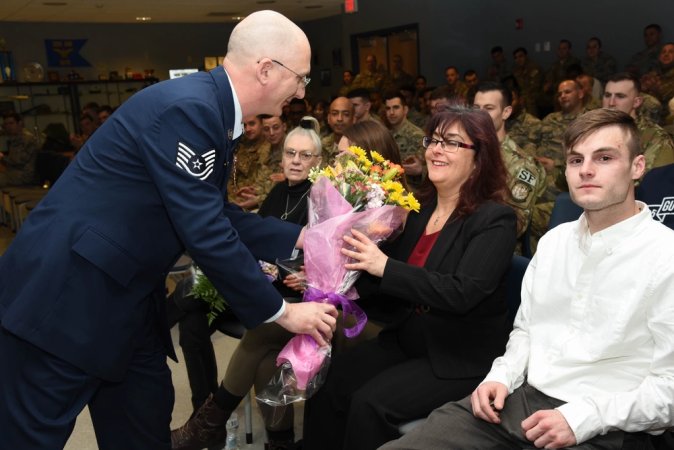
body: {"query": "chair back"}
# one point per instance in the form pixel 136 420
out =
pixel 564 210
pixel 514 284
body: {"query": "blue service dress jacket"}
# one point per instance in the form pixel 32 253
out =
pixel 78 279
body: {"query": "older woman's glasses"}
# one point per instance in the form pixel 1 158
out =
pixel 450 146
pixel 303 78
pixel 304 156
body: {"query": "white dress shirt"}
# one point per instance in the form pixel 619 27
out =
pixel 596 326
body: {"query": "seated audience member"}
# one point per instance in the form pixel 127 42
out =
pixel 17 160
pixel 499 69
pixel 253 361
pixel 457 87
pixel 590 362
pixel 596 63
pixel 408 137
pixel 455 317
pixel 250 171
pixel 529 76
pixel 362 105
pixel 666 66
pixel 340 117
pixel 622 92
pixel 347 83
pixel 592 91
pixel 520 125
pixel 526 176
pixel 104 112
pixel 320 113
pixel 297 108
pixel 646 59
pixel 88 124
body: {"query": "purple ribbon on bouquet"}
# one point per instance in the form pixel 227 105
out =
pixel 349 308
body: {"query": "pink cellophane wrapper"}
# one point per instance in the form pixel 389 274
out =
pixel 330 218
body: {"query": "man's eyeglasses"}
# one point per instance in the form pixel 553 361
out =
pixel 304 156
pixel 305 79
pixel 450 146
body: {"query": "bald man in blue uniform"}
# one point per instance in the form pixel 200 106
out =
pixel 82 285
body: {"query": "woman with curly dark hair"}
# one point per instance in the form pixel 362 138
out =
pixel 448 268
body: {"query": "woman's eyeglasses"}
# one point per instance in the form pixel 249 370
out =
pixel 450 146
pixel 304 156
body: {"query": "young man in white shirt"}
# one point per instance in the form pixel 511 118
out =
pixel 590 361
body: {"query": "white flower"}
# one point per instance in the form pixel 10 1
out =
pixel 375 196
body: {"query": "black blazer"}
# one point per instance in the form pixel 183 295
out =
pixel 462 285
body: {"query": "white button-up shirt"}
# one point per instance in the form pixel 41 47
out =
pixel 596 326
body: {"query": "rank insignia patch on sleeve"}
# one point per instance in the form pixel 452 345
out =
pixel 197 165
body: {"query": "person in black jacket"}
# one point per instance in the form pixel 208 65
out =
pixel 448 267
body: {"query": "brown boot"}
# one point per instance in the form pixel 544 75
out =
pixel 206 428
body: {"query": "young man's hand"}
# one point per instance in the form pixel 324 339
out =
pixel 488 400
pixel 548 429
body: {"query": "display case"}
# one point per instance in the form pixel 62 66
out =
pixel 43 103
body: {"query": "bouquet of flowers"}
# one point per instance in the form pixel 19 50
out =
pixel 203 289
pixel 356 193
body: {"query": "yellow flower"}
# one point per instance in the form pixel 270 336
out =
pixel 396 197
pixel 392 186
pixel 412 203
pixel 376 156
pixel 359 152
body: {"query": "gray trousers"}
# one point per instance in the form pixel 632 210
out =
pixel 453 426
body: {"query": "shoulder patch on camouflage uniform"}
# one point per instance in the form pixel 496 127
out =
pixel 527 177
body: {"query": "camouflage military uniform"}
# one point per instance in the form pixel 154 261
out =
pixel 521 128
pixel 271 165
pixel 656 143
pixel 249 162
pixel 417 118
pixel 645 60
pixel 329 149
pixel 666 85
pixel 250 158
pixel 550 146
pixel 530 80
pixel 409 137
pixel 592 103
pixel 378 80
pixel 497 72
pixel 526 182
pixel 602 68
pixel 650 108
pixel 549 138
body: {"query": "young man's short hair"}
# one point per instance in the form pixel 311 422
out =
pixel 506 94
pixel 359 92
pixel 592 121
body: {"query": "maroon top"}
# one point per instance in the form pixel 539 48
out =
pixel 422 249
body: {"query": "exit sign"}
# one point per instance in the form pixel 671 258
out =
pixel 350 6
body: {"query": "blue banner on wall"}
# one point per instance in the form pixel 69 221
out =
pixel 65 53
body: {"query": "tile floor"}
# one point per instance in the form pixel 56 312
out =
pixel 83 437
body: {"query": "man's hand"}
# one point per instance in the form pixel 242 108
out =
pixel 548 429
pixel 318 320
pixel 413 166
pixel 366 253
pixel 487 400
